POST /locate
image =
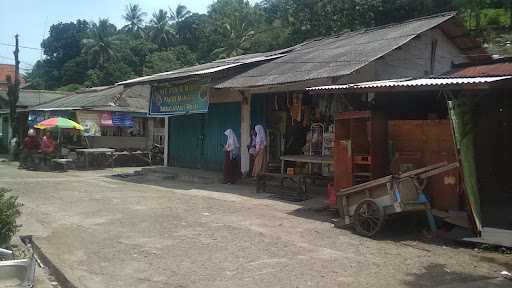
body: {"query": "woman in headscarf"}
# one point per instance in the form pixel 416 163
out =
pixel 261 143
pixel 251 148
pixel 231 158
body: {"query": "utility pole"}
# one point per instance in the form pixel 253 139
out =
pixel 13 90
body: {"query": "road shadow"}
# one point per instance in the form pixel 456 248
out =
pixel 241 189
pixel 412 226
pixel 404 228
pixel 437 275
pixel 506 263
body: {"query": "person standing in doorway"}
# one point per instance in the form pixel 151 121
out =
pixel 261 143
pixel 231 158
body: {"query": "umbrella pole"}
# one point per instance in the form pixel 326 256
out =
pixel 59 142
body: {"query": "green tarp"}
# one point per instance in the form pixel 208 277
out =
pixel 462 116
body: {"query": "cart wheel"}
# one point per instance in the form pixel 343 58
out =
pixel 368 218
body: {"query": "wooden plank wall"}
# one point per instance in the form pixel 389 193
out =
pixel 418 143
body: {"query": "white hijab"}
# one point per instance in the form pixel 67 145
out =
pixel 261 138
pixel 232 142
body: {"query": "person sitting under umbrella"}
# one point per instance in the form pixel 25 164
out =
pixel 30 147
pixel 48 148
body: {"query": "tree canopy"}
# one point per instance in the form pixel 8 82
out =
pixel 85 53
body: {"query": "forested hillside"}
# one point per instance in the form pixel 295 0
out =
pixel 83 54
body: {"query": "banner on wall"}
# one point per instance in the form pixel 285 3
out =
pixel 172 99
pixel 90 122
pixel 105 119
pixel 121 119
pixel 34 117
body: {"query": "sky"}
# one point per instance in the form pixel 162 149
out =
pixel 31 19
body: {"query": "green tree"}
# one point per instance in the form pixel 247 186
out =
pixel 237 39
pixel 64 41
pixel 192 30
pixel 169 60
pixel 46 74
pixel 112 72
pixel 9 212
pixel 99 46
pixel 61 46
pixel 134 16
pixel 137 52
pixel 232 26
pixel 162 33
pixel 180 13
pixel 75 71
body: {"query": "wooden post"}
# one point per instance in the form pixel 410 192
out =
pixel 13 90
pixel 166 142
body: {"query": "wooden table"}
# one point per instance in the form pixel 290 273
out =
pixel 301 182
pixel 305 159
pixel 88 151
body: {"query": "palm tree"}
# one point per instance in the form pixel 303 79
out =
pixel 135 18
pixel 161 33
pixel 179 14
pixel 99 46
pixel 237 38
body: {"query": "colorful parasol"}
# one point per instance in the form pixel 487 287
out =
pixel 59 123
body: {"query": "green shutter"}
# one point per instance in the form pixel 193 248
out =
pixel 463 126
pixel 221 116
pixel 185 149
pixel 197 140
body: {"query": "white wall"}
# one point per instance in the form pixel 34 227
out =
pixel 413 58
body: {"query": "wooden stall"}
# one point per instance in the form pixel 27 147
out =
pixel 360 148
pixel 419 143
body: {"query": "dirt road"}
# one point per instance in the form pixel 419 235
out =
pixel 106 232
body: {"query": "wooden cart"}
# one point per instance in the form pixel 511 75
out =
pixel 367 205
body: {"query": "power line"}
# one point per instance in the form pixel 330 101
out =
pixel 22 62
pixel 24 47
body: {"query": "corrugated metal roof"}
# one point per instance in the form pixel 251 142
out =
pixel 113 98
pixel 426 82
pixel 334 56
pixel 494 69
pixel 207 68
pixel 29 98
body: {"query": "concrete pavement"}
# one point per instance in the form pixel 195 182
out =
pixel 106 232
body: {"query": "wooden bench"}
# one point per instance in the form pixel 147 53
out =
pixel 301 183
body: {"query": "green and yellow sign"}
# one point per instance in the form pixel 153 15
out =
pixel 171 99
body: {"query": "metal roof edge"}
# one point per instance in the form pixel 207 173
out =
pixel 407 83
pixel 228 64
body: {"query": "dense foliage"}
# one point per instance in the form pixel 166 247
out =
pixel 85 53
pixel 9 212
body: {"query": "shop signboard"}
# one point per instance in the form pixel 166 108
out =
pixel 178 99
pixel 120 119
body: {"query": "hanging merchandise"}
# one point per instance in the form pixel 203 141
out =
pixel 296 107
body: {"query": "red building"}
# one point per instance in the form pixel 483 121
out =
pixel 7 69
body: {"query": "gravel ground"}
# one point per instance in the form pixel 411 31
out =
pixel 110 232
